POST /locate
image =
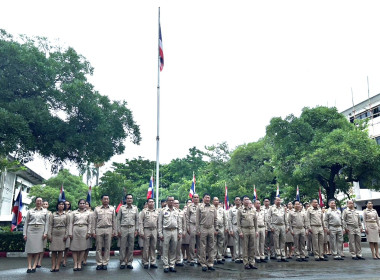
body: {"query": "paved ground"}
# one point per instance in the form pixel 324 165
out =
pixel 15 268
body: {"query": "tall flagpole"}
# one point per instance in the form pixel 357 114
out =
pixel 158 116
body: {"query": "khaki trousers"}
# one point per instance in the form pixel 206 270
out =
pixel 178 253
pixel 249 237
pixel 149 250
pixel 238 244
pixel 279 241
pixel 127 245
pixel 103 239
pixel 259 244
pixel 206 246
pixel 299 242
pixel 219 244
pixel 269 245
pixel 336 240
pixel 169 246
pixel 354 240
pixel 193 244
pixel 317 237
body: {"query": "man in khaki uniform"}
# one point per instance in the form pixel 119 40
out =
pixel 207 228
pixel 278 225
pixel 103 231
pixel 298 225
pixel 159 242
pixel 192 230
pixel 262 232
pixel 169 231
pixel 316 228
pixel 222 226
pixel 248 232
pixel 127 229
pixel 232 220
pixel 148 221
pixel 309 242
pixel 269 245
pixel 333 223
pixel 182 218
pixel 353 226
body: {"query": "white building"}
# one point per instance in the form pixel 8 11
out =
pixel 367 109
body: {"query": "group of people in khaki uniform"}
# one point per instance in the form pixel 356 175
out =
pixel 254 232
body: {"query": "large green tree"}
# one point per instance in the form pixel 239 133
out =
pixel 47 106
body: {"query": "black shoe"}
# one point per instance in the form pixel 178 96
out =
pixel 179 264
pixel 98 267
pixel 38 266
pixel 305 260
pixel 298 260
pixel 75 269
pixel 220 262
pixel 172 269
pixel 252 266
pixel 355 258
pixel 104 267
pixel 29 271
pixel 272 258
pixel 264 261
pixel 223 260
pixel 33 270
pixel 166 270
pixel 122 266
pixel 317 259
pixel 146 266
pixel 361 258
pixel 158 257
pixel 247 267
pixel 153 266
pixel 341 259
pixel 258 261
pixel 211 268
pixel 325 256
pixel 79 269
pixel 204 268
pixel 284 260
pixel 192 264
pixel 237 261
pixel 325 259
pixel 129 266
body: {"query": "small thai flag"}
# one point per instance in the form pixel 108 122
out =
pixel 150 193
pixel 62 194
pixel 298 194
pixel 89 195
pixel 161 51
pixel 17 215
pixel 192 189
pixel 226 202
pixel 254 193
pixel 278 191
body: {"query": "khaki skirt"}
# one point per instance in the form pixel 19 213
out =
pixel 373 232
pixel 186 239
pixel 34 243
pixel 90 242
pixel 79 241
pixel 57 243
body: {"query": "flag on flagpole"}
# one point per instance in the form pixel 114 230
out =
pixel 17 215
pixel 298 194
pixel 88 199
pixel 150 193
pixel 320 199
pixel 226 202
pixel 278 191
pixel 192 189
pixel 161 51
pixel 118 207
pixel 62 194
pixel 254 193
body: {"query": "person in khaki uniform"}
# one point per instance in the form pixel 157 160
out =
pixel 248 232
pixel 333 223
pixel 159 243
pixel 148 222
pixel 353 226
pixel 182 218
pixel 207 228
pixel 127 229
pixel 104 229
pixel 269 244
pixel 262 232
pixel 372 229
pixel 169 231
pixel 298 224
pixel 191 229
pixel 232 224
pixel 289 239
pixel 316 228
pixel 278 225
pixel 222 226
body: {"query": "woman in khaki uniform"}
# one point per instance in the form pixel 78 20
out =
pixel 35 232
pixel 90 239
pixel 372 228
pixel 68 212
pixel 79 232
pixel 45 205
pixel 58 232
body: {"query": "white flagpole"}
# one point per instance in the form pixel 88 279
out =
pixel 158 116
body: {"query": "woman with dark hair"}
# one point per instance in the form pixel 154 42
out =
pixel 58 232
pixel 79 232
pixel 372 228
pixel 45 205
pixel 68 212
pixel 35 232
pixel 90 239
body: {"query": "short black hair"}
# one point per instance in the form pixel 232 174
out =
pixel 81 200
pixel 163 200
pixel 331 199
pixel 149 199
pixel 244 196
pixel 37 197
pixel 206 194
pixel 59 202
pixel 237 197
pixel 103 195
pixel 128 194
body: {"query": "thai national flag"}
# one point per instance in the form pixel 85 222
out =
pixel 17 215
pixel 254 193
pixel 192 190
pixel 320 199
pixel 150 193
pixel 161 51
pixel 118 207
pixel 298 194
pixel 278 191
pixel 226 202
pixel 62 194
pixel 89 195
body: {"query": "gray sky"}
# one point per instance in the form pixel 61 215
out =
pixel 230 66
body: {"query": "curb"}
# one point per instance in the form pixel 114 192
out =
pixel 48 254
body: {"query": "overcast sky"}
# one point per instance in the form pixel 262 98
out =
pixel 230 66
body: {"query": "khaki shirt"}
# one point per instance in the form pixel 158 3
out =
pixel 148 219
pixel 191 215
pixel 169 219
pixel 352 218
pixel 127 216
pixel 222 218
pixel 37 217
pixel 277 216
pixel 315 217
pixel 80 218
pixel 297 219
pixel 261 219
pixel 207 217
pixel 333 218
pixel 232 217
pixel 104 217
pixel 57 220
pixel 246 218
pixel 182 217
pixel 370 216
